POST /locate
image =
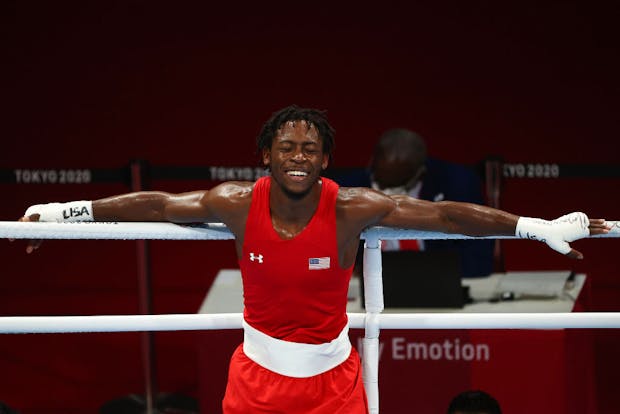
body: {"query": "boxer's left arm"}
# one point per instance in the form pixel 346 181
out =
pixel 477 220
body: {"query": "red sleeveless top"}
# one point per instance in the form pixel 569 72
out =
pixel 294 290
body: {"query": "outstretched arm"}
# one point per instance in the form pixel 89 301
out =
pixel 227 203
pixel 139 206
pixel 449 217
pixel 154 206
pixel 475 220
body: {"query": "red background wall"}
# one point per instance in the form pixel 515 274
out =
pixel 96 85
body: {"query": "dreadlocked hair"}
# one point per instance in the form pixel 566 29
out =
pixel 312 116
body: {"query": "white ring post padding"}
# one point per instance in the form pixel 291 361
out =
pixel 206 231
pixel 214 321
pixel 370 372
pixel 373 279
pixel 373 302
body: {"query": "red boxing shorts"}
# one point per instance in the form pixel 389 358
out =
pixel 254 389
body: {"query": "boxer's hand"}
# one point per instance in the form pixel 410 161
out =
pixel 32 244
pixel 598 226
pixel 71 211
pixel 561 231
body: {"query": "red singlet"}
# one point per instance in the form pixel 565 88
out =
pixel 294 290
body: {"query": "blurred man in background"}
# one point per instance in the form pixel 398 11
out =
pixel 474 402
pixel 400 166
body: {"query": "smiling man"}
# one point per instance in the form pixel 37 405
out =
pixel 296 237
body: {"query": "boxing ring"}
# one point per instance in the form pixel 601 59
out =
pixel 372 321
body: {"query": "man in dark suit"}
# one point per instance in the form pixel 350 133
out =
pixel 400 165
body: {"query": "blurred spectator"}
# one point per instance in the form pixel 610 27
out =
pixel 474 402
pixel 400 165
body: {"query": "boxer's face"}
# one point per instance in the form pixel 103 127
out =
pixel 296 157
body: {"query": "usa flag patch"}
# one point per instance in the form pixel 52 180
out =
pixel 317 263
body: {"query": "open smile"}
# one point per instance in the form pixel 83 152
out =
pixel 297 175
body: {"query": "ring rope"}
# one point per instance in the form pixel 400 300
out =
pixel 217 321
pixel 205 231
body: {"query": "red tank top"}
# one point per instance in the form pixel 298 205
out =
pixel 294 290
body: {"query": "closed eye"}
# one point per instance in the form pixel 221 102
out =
pixel 311 149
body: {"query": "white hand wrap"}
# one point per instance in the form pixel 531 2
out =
pixel 556 233
pixel 63 212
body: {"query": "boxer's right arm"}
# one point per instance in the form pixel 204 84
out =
pixel 154 206
pixel 227 202
pixel 139 206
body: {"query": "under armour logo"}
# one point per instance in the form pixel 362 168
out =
pixel 259 257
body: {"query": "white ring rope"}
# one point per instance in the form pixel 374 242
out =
pixel 114 231
pixel 216 321
pixel 207 231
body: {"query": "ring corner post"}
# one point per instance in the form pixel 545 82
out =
pixel 373 301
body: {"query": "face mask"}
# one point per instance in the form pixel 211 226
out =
pixel 401 189
pixel 390 191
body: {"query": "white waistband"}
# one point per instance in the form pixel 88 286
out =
pixel 295 359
